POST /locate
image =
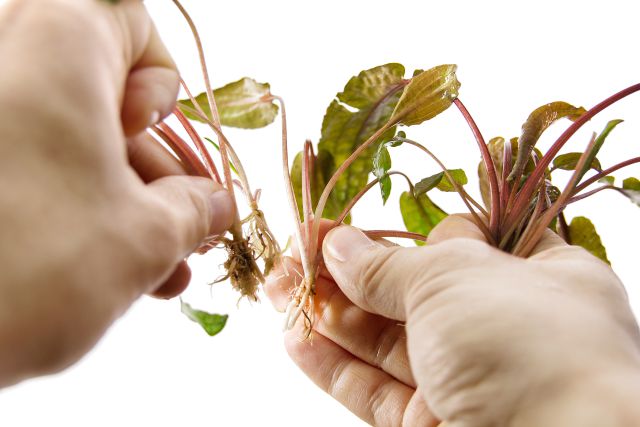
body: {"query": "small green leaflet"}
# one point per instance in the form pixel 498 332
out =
pixel 597 145
pixel 631 184
pixel 428 94
pixel 631 189
pixel 607 180
pixel 381 165
pixel 583 233
pixel 441 181
pixel 569 161
pixel 211 323
pixel 420 214
pixel 244 104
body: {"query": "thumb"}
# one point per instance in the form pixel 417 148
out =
pixel 195 208
pixel 374 277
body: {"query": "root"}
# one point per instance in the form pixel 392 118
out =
pixel 242 270
pixel 302 303
pixel 262 240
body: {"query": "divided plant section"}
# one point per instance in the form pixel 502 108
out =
pixel 519 198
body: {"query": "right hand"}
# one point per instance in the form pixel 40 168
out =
pixel 492 339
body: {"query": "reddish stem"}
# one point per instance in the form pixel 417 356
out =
pixel 190 159
pixel 494 215
pixel 202 149
pixel 606 172
pixel 381 234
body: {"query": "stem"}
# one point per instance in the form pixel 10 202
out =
pixel 203 63
pixel 589 193
pixel 505 189
pixel 560 202
pixel 324 197
pixel 490 166
pixel 459 190
pixel 208 161
pixel 529 187
pixel 563 228
pixel 606 172
pixel 307 202
pixel 361 193
pixel 293 204
pixel 190 159
pixel 199 112
pixel 380 234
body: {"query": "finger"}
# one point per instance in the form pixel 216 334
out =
pixel 186 210
pixel 455 226
pixel 150 159
pixel 152 86
pixel 279 285
pixel 378 341
pixel 549 240
pixel 175 284
pixel 368 392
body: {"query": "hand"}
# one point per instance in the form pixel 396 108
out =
pixel 492 339
pixel 90 217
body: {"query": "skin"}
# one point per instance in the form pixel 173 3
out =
pixel 459 331
pixel 94 213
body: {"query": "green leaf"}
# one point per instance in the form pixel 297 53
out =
pixel 597 145
pixel 427 95
pixel 537 122
pixel 427 184
pixel 243 104
pixel 420 214
pixel 631 189
pixel 345 129
pixel 458 176
pixel 607 180
pixel 211 323
pixel 569 161
pixel 583 233
pixel 631 184
pixel 381 165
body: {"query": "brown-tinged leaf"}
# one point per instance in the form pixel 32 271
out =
pixel 344 130
pixel 420 214
pixel 537 122
pixel 583 233
pixel 243 104
pixel 427 95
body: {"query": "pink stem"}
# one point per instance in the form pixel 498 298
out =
pixel 191 161
pixel 208 161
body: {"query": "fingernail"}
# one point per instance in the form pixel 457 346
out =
pixel 154 118
pixel 346 243
pixel 222 211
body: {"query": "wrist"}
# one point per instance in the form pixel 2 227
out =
pixel 599 398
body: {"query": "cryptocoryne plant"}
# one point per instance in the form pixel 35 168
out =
pixel 520 200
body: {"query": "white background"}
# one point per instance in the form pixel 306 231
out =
pixel 154 367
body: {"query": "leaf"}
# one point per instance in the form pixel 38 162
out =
pixel 381 165
pixel 569 161
pixel 427 184
pixel 597 145
pixel 607 180
pixel 631 189
pixel 583 233
pixel 243 104
pixel 420 214
pixel 344 130
pixel 458 176
pixel 631 184
pixel 211 323
pixel 537 122
pixel 371 85
pixel 427 95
